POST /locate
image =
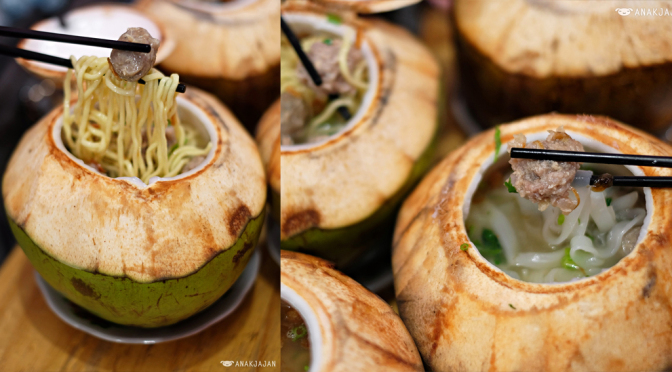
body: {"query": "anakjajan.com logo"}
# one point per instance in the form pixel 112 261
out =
pixel 248 363
pixel 651 12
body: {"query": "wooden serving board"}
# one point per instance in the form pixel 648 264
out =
pixel 32 338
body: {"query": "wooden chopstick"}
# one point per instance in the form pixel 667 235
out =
pixel 308 64
pixel 71 39
pixel 58 61
pixel 592 157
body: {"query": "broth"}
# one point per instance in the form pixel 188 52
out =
pixel 295 340
pixel 549 247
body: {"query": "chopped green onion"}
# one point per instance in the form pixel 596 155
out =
pixel 464 246
pixel 498 141
pixel 567 261
pixel 590 237
pixel 510 187
pixel 561 219
pixel 490 238
pixel 327 41
pixel 608 201
pixel 513 307
pixel 491 249
pixel 334 18
pixel 305 368
pixel 169 123
pixel 579 221
pixel 298 333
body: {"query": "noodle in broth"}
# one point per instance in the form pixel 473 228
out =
pixel 549 247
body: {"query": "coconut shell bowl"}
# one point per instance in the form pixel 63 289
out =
pixel 348 327
pixel 339 195
pixel 521 58
pixel 465 314
pixel 145 255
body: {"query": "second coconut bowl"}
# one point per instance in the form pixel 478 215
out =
pixel 338 195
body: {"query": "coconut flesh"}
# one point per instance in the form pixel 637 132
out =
pixel 474 315
pixel 366 157
pixel 131 253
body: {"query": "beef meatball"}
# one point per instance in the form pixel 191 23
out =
pixel 132 66
pixel 546 182
pixel 325 59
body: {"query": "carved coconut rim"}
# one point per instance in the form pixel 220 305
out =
pixel 205 122
pixel 487 160
pixel 475 157
pixel 316 22
pixel 57 73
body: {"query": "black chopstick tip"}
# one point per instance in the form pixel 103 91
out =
pixel 296 45
pixel 73 39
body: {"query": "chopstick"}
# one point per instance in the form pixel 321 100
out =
pixel 635 181
pixel 310 68
pixel 58 61
pixel 291 36
pixel 71 39
pixel 592 157
pixel 605 180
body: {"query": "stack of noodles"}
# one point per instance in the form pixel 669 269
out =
pixel 596 235
pixel 120 127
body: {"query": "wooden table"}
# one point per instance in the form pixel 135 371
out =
pixel 32 338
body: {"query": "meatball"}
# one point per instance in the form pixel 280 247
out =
pixel 325 59
pixel 546 182
pixel 131 66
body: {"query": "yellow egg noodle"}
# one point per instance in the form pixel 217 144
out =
pixel 111 116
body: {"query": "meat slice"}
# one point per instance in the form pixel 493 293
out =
pixel 325 59
pixel 546 182
pixel 132 66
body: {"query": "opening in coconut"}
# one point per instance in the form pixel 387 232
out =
pixel 549 247
pixel 349 69
pixel 192 117
pixel 293 353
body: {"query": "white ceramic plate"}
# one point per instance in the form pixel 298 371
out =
pixel 85 321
